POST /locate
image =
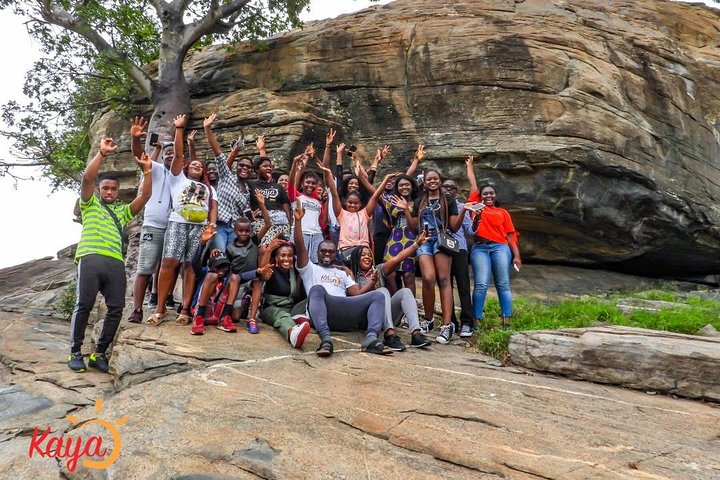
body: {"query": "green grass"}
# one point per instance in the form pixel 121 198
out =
pixel 534 315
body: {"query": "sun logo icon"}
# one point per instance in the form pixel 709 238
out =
pixel 73 449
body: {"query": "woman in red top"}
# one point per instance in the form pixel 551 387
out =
pixel 494 248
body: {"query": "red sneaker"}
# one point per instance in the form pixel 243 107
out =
pixel 298 333
pixel 198 327
pixel 298 319
pixel 226 324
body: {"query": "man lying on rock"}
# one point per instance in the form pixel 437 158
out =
pixel 335 301
pixel 101 267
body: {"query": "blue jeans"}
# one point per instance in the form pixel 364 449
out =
pixel 492 258
pixel 225 235
pixel 312 242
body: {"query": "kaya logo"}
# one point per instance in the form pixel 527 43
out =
pixel 49 446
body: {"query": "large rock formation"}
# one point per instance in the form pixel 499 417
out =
pixel 596 119
pixel 684 365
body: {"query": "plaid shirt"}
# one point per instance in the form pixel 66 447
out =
pixel 231 201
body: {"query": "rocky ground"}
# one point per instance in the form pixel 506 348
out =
pixel 241 406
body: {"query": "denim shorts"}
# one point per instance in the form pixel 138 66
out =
pixel 430 247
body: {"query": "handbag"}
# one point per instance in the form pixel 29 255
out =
pixel 445 241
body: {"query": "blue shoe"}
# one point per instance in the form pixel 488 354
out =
pixel 252 326
pixel 99 361
pixel 76 362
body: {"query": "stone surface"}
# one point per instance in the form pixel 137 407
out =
pixel 34 287
pixel 708 331
pixel 683 365
pixel 629 305
pixel 248 406
pixel 596 119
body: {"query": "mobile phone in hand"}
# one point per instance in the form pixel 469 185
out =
pixel 351 149
pixel 153 139
pixel 477 207
pixel 427 230
pixel 515 266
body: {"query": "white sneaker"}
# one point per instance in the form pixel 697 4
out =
pixel 446 332
pixel 466 331
pixel 298 333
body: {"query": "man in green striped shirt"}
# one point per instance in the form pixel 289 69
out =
pixel 99 254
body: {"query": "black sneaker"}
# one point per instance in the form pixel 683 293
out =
pixel 76 362
pixel 393 342
pixel 136 316
pixel 420 341
pixel 153 300
pixel 170 302
pixel 99 361
pixel 446 333
pixel 427 325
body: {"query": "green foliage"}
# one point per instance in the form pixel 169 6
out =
pixel 66 303
pixel 98 62
pixel 533 315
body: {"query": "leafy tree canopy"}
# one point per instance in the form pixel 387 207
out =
pixel 95 55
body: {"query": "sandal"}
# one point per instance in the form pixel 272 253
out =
pixel 325 349
pixel 157 318
pixel 506 325
pixel 377 347
pixel 182 320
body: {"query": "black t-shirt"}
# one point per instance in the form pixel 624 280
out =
pixel 275 195
pixel 279 284
pixel 431 215
pixel 243 258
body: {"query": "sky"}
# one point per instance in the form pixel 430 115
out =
pixel 40 219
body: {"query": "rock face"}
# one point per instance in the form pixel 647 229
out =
pixel 595 119
pixel 683 365
pixel 248 406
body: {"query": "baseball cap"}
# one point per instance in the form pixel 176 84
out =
pixel 220 260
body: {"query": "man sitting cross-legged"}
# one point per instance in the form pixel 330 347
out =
pixel 335 301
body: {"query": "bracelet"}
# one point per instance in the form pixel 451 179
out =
pixel 211 225
pixel 147 173
pixel 178 127
pixel 102 154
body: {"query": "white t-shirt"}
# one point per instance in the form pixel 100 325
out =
pixel 311 220
pixel 189 195
pixel 333 280
pixel 158 208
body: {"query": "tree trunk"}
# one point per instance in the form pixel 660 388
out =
pixel 170 95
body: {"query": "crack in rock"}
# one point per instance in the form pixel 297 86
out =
pixel 468 418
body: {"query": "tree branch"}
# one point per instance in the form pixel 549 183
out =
pixel 196 30
pixel 62 18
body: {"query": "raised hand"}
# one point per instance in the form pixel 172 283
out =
pixel 207 233
pixel 259 197
pixel 330 137
pixel 260 143
pixel 191 136
pixel 180 121
pixel 389 177
pixel 137 127
pixel 378 157
pixel 341 148
pixel 144 162
pixel 275 243
pixel 469 160
pixel 299 213
pixel 310 150
pixel 399 202
pixel 107 146
pixel 323 168
pixel 207 123
pixel 385 151
pixel 420 152
pixel 266 270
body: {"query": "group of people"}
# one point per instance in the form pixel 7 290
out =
pixel 314 247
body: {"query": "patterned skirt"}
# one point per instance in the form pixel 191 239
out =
pixel 400 239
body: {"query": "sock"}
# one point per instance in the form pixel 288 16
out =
pixel 227 310
pixel 201 309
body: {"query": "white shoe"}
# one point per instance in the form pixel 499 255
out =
pixel 298 333
pixel 466 331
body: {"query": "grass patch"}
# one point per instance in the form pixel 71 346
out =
pixel 528 314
